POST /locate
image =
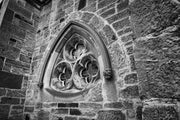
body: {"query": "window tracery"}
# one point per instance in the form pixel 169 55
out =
pixel 76 67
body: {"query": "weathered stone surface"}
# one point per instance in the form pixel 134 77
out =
pixel 110 115
pixel 43 115
pixel 130 92
pixel 118 56
pixel 1 62
pixel 159 79
pixel 122 5
pixel 104 3
pixel 29 109
pixel 17 110
pixel 75 112
pixel 113 105
pixel 2 91
pixel 131 113
pixel 153 16
pixel 9 80
pixel 9 52
pixel 95 94
pixel 108 13
pixel 14 6
pixel 8 15
pixel 118 16
pixel 70 118
pixel 8 100
pixel 122 23
pixel 24 58
pixel 16 93
pixel 132 63
pixel 130 50
pixel 131 78
pixel 91 105
pixel 68 104
pixel 160 113
pixel 97 22
pixel 109 33
pixel 86 17
pixel 4 111
pixel 59 111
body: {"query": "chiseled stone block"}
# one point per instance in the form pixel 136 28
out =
pixel 111 115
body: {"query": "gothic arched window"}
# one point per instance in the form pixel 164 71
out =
pixel 77 60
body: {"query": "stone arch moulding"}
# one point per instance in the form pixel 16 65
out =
pixel 77 60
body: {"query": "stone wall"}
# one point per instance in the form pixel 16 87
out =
pixel 143 41
pixel 17 41
pixel 142 38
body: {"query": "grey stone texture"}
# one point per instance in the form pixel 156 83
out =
pixel 142 40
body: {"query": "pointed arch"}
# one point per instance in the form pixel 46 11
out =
pixel 95 43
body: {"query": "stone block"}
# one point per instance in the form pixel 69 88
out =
pixel 127 38
pixel 18 63
pixel 60 15
pixel 75 112
pixel 91 105
pixel 8 16
pixel 21 18
pixel 26 26
pixel 17 110
pixel 158 80
pixel 109 33
pixel 95 94
pixel 122 5
pixel 130 113
pixel 139 112
pixel 18 31
pixel 1 62
pixel 104 3
pixel 105 8
pixel 108 13
pixel 12 42
pixel 118 56
pixel 127 104
pixel 68 105
pixel 86 17
pixel 8 100
pixel 4 111
pixel 16 93
pixel 160 113
pixel 50 105
pixel 111 115
pixel 2 91
pixel 14 6
pixel 10 52
pixel 9 80
pixel 70 118
pixel 113 105
pixel 130 50
pixel 29 109
pixel 97 22
pixel 131 78
pixel 91 7
pixel 132 63
pixel 24 58
pixel 118 16
pixel 130 92
pixel 122 23
pixel 43 115
pixel 59 111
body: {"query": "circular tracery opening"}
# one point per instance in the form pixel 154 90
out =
pixel 76 66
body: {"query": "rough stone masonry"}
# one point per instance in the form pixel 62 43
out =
pixel 143 41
